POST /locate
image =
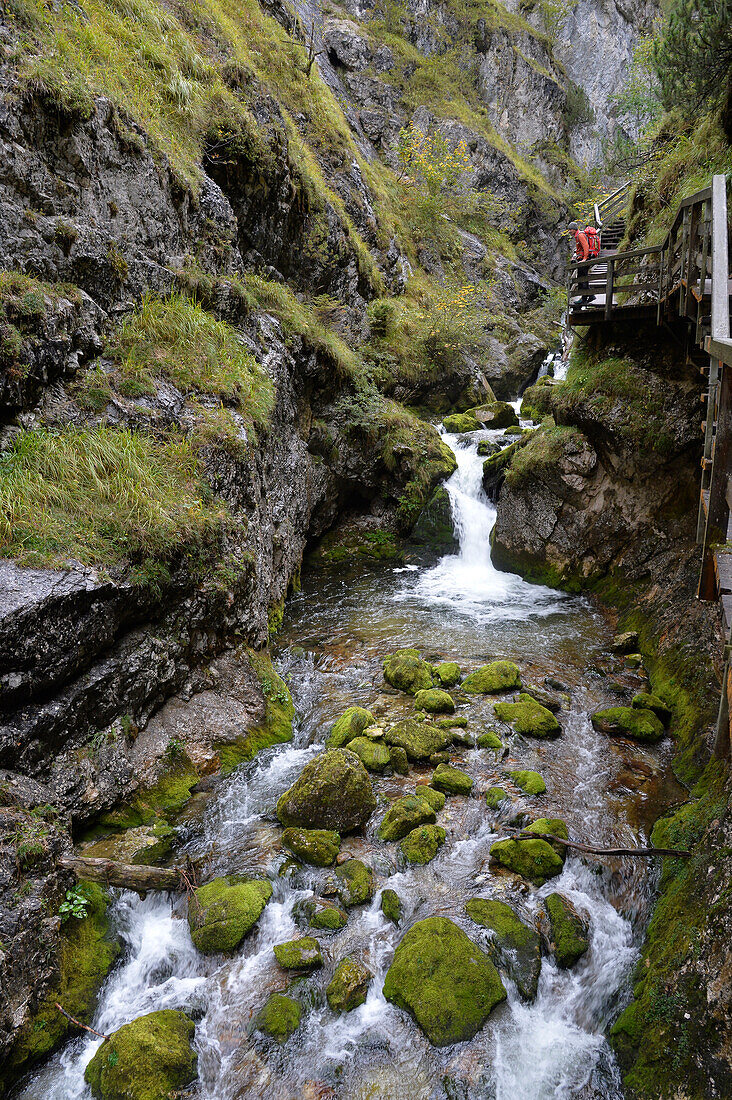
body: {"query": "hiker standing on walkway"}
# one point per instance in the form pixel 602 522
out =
pixel 582 252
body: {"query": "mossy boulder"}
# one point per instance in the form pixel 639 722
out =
pixel 279 714
pixel 490 740
pixel 407 813
pixel 349 986
pixel 326 915
pixel 144 844
pixel 374 755
pixel 527 781
pixel 494 415
pixel 494 796
pixel 493 678
pixel 355 883
pixel 435 798
pixel 399 760
pixel 459 423
pixel 302 954
pixel 569 930
pixel 422 844
pixel 279 1018
pixel 529 718
pixel 391 906
pixel 451 780
pixel 420 740
pixel 448 673
pixel 434 701
pixel 406 671
pixel 151 1058
pixel 551 826
pixel 435 528
pixel 444 980
pixel 351 724
pixel 222 912
pixel 453 722
pixel 534 860
pixel 646 701
pixel 637 723
pixel 317 846
pixel 333 792
pixel 514 944
pixel 552 700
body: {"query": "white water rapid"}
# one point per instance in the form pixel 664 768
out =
pixel 551 1049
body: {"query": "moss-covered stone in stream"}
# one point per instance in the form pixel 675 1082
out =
pixel 647 701
pixel 454 722
pixel 423 843
pixel 534 860
pixel 144 844
pixel 458 423
pixel 448 673
pixel 527 781
pixel 406 671
pixel 87 952
pixel 514 944
pixel 434 528
pixel 419 739
pixel 490 740
pixel 279 1017
pixel 529 718
pixel 324 914
pixel 434 701
pixel 333 791
pixel 391 906
pixel 355 883
pixel 405 814
pixel 551 826
pixel 536 402
pixel 493 678
pixel 317 846
pixel 279 713
pixel 637 723
pixel 399 760
pixel 569 930
pixel 302 954
pixel 444 980
pixel 451 780
pixel 351 724
pixel 349 544
pixel 162 801
pixel 222 912
pixel 430 794
pixel 494 796
pixel 151 1058
pixel 374 755
pixel 349 986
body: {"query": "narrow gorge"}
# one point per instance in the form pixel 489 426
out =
pixel 349 574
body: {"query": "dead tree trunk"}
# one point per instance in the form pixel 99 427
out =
pixel 128 876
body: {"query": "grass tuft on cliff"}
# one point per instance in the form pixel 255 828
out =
pixel 105 496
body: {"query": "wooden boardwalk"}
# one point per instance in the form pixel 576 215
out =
pixel 684 283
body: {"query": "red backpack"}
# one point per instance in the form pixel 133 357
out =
pixel 593 241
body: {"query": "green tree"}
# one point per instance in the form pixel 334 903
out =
pixel 693 58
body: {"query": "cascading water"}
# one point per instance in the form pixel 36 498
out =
pixel 338 629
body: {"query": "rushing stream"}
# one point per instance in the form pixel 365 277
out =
pixel 336 633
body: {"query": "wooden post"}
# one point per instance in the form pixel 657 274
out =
pixel 717 507
pixel 691 261
pixel 609 284
pixel 721 747
pixel 706 226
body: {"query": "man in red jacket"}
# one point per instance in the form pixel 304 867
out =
pixel 582 252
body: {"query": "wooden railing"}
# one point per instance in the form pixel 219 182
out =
pixel 612 207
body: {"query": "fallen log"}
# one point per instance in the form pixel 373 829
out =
pixel 128 876
pixel 592 850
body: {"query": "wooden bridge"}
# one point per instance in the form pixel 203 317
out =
pixel 683 282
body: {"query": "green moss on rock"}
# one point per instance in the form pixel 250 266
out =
pixel 374 755
pixel 333 791
pixel 534 860
pixel 405 814
pixel 458 423
pixel 529 718
pixel 301 954
pixel 551 826
pixel 637 723
pixel 391 906
pixel 279 1018
pixel 569 931
pixel 647 701
pixel 222 912
pixel 435 798
pixel 422 844
pixel 317 846
pixel 448 673
pixel 455 721
pixel 451 780
pixel 349 985
pixel 355 883
pixel 494 796
pixel 444 980
pixel 399 760
pixel 420 740
pixel 490 740
pixel 434 701
pixel 324 914
pixel 279 713
pixel 350 725
pixel 149 1059
pixel 514 944
pixel 527 781
pixel 407 672
pixel 493 678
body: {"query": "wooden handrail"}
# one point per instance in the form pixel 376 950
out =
pixel 720 260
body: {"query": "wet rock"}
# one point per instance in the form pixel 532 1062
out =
pixel 317 846
pixel 552 826
pixel 448 673
pixel 455 721
pixel 494 796
pixel 349 985
pixel 302 954
pixel 222 912
pixel 434 701
pixel 498 414
pixel 534 860
pixel 355 883
pixel 430 794
pixel 405 814
pixel 451 780
pixel 460 423
pixel 350 725
pixel 625 643
pixel 152 1058
pixel 399 760
pixel 529 718
pixel 514 944
pixel 406 671
pixel 422 844
pixel 486 447
pixel 438 758
pixel 279 1018
pixel 556 685
pixel 333 792
pixel 144 844
pixel 493 678
pixel 374 755
pixel 324 914
pixel 637 723
pixel 444 980
pixel 646 701
pixel 418 739
pixel 489 740
pixel 434 528
pixel 569 930
pixel 391 906
pixel 635 660
pixel 549 699
pixel 527 781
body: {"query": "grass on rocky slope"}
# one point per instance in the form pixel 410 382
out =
pixel 104 497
